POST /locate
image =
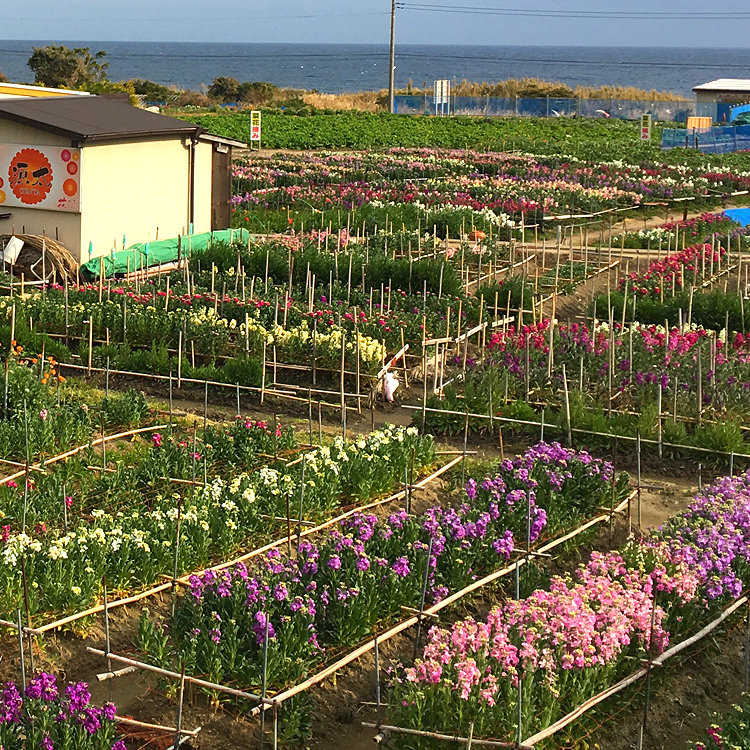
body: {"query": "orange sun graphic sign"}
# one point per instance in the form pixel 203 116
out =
pixel 30 176
pixel 44 177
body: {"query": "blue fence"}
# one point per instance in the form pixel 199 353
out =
pixel 491 106
pixel 722 140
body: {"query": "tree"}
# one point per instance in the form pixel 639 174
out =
pixel 225 89
pixel 3 79
pixel 257 92
pixel 61 67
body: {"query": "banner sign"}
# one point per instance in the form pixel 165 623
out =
pixel 255 126
pixel 645 127
pixel 40 177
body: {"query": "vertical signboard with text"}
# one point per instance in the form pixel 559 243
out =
pixel 645 127
pixel 442 97
pixel 255 128
pixel 40 177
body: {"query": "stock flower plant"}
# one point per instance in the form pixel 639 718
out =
pixel 46 715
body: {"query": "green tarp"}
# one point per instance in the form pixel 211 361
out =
pixel 146 254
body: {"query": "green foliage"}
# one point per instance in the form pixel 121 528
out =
pixel 153 92
pixel 256 92
pixel 724 437
pixel 225 89
pixel 602 140
pixel 709 309
pixel 114 87
pixel 61 67
pixel 128 409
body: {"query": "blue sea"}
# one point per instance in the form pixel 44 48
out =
pixel 337 68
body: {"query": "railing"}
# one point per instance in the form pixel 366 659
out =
pixel 720 140
pixel 492 106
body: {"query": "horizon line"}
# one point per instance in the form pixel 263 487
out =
pixel 374 44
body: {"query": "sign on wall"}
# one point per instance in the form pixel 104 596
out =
pixel 40 177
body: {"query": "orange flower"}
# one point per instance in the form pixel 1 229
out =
pixel 61 378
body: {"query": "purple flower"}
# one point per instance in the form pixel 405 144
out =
pixel 401 567
pixel 504 545
pixel 78 696
pixel 46 743
pixel 91 720
pixel 11 703
pixel 261 618
pixel 43 686
pixel 471 489
pixel 334 562
pixel 280 592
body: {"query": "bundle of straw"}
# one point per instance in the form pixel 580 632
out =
pixel 41 258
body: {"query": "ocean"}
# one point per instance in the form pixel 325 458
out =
pixel 337 68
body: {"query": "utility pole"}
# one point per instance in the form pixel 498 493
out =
pixel 392 68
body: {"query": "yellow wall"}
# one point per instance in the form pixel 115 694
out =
pixel 203 160
pixel 12 132
pixel 136 189
pixel 14 90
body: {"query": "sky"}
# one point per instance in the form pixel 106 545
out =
pixel 367 21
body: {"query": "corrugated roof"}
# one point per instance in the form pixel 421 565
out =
pixel 725 84
pixel 92 118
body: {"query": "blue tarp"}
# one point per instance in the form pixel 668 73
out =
pixel 740 215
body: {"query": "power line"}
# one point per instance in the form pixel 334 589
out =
pixel 580 14
pixel 547 61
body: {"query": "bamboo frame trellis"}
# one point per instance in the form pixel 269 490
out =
pixel 184 580
pixel 435 608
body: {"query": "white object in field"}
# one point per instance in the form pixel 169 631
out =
pixel 12 250
pixel 156 110
pixel 390 384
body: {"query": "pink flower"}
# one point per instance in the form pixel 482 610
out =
pixel 43 414
pixel 156 440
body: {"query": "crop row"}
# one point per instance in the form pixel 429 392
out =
pixel 561 645
pixel 132 545
pixel 289 612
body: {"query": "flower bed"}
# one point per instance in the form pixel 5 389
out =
pixel 729 731
pixel 636 362
pixel 339 587
pixel 674 272
pixel 697 229
pixel 567 643
pixel 133 546
pixel 431 180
